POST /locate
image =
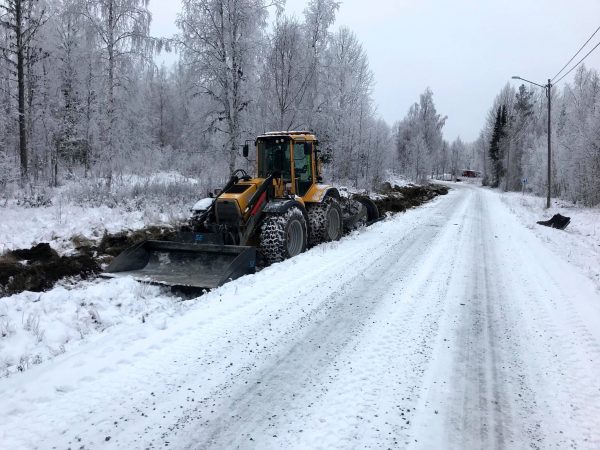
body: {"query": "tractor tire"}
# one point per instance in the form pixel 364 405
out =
pixel 325 222
pixel 283 236
pixel 355 214
pixel 372 210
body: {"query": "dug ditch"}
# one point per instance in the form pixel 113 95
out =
pixel 40 267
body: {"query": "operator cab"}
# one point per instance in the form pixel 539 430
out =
pixel 277 151
pixel 274 157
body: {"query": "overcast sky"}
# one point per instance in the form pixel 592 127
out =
pixel 464 50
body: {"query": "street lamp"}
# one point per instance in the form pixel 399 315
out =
pixel 548 89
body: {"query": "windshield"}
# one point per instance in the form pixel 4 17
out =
pixel 274 156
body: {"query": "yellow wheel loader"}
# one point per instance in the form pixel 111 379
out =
pixel 272 216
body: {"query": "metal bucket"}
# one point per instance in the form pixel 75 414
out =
pixel 184 265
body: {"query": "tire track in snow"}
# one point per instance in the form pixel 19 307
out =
pixel 190 359
pixel 470 417
pixel 266 413
pixel 562 350
pixel 460 401
pixel 514 417
pixel 519 377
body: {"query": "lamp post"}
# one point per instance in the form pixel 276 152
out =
pixel 548 89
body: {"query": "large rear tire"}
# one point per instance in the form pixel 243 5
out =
pixel 283 236
pixel 372 210
pixel 325 222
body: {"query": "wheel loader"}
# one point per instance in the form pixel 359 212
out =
pixel 268 218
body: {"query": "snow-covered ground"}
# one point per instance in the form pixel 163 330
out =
pixel 58 223
pixel 136 202
pixel 36 327
pixel 450 326
pixel 579 243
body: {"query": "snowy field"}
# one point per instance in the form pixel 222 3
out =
pixel 453 325
pixel 57 224
pixel 81 210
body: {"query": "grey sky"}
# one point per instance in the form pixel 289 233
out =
pixel 464 50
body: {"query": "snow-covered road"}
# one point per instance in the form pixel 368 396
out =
pixel 450 326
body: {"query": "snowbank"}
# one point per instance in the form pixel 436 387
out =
pixel 24 227
pixel 89 209
pixel 36 327
pixel 579 243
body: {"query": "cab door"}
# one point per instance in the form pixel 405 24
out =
pixel 303 167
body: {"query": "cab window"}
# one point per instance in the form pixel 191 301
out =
pixel 274 156
pixel 303 167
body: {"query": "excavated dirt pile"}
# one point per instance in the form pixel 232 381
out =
pixel 113 244
pixel 40 267
pixel 400 198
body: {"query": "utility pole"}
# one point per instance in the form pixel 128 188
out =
pixel 548 89
pixel 549 95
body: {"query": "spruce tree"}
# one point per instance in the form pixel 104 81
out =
pixel 496 145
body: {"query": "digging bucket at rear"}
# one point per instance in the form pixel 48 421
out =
pixel 184 265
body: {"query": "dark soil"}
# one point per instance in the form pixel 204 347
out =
pixel 114 244
pixel 39 268
pixel 400 198
pixel 41 253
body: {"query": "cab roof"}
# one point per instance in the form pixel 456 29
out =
pixel 306 135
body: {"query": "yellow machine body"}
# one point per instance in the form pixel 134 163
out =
pixel 304 187
pixel 225 235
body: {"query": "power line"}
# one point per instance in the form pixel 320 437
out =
pixel 580 61
pixel 575 55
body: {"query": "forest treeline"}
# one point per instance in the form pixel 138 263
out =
pixel 514 148
pixel 511 150
pixel 82 96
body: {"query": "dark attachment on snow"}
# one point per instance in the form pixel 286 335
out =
pixel 184 265
pixel 557 221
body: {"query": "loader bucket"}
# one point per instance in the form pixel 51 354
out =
pixel 184 265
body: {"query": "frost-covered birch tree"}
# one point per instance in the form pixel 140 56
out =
pixel 419 140
pixel 319 16
pixel 219 41
pixel 288 71
pixel 122 31
pixel 349 86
